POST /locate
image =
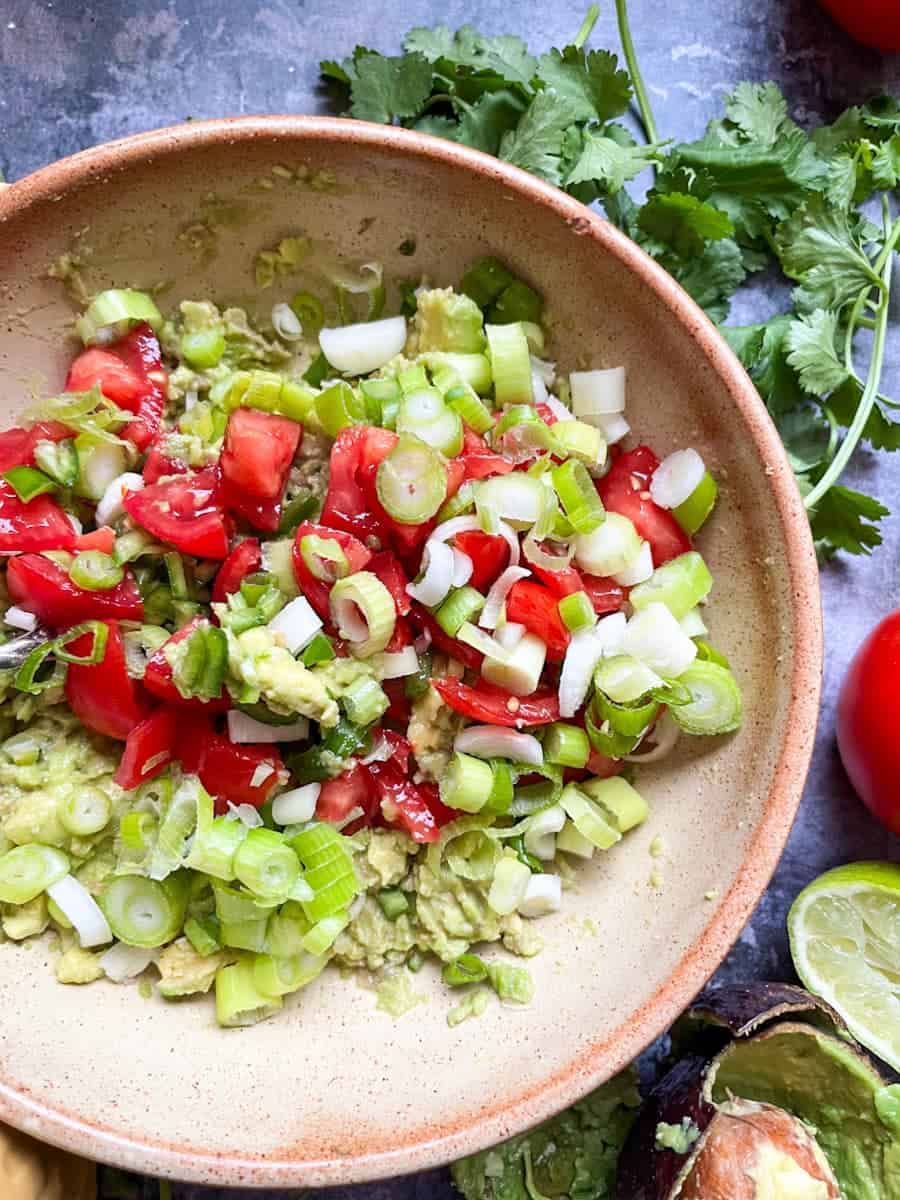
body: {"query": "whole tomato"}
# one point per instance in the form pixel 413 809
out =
pixel 873 22
pixel 868 726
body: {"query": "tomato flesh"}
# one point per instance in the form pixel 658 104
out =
pixel 130 373
pixel 103 695
pixel 536 608
pixel 258 451
pixel 227 771
pixel 316 590
pixel 44 588
pixel 872 22
pixel 625 490
pixel 489 554
pixel 38 525
pixel 243 560
pixel 149 749
pixel 346 505
pixel 496 707
pixel 183 511
pixel 158 677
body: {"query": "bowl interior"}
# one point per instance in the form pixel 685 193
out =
pixel 334 1089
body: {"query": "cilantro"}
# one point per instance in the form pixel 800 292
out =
pixel 755 193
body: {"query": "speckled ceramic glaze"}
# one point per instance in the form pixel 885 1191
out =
pixel 333 1089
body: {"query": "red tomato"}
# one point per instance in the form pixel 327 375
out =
pixel 872 22
pixel 407 540
pixel 536 608
pixel 44 588
pixel 103 369
pixel 467 655
pixel 259 514
pixel 243 560
pixel 399 710
pixel 489 554
pixel 346 506
pixel 258 451
pixel 402 802
pixel 104 696
pixel 158 677
pixel 868 728
pixel 227 771
pixel 17 445
pixel 195 732
pixel 402 636
pixel 99 539
pixel 159 465
pixel 624 490
pixel 605 594
pixel 149 748
pixel 315 590
pixel 38 525
pixel 338 797
pixel 560 583
pixel 389 570
pixel 479 460
pixel 184 511
pixel 130 373
pixel 602 767
pixel 496 707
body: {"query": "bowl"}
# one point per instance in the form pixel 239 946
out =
pixel 334 1090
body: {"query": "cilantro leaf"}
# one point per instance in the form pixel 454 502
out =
pixel 810 344
pixel 879 430
pixel 759 111
pixel 842 521
pixel 683 223
pixel 504 57
pixel 773 375
pixel 712 277
pixel 818 247
pixel 610 159
pixel 438 125
pixel 536 143
pixel 340 72
pixel 388 88
pixel 592 83
pixel 746 341
pixel 806 433
pixel 483 124
pixel 886 164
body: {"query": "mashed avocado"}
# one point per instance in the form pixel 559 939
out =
pixel 74 964
pixel 448 321
pixel 285 684
pixel 184 972
pixel 433 726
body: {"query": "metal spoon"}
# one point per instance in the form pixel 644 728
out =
pixel 14 652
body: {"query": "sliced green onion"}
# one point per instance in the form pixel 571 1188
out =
pixel 464 400
pixel 393 902
pixel 573 842
pixel 501 796
pixel 513 985
pixel 604 739
pixel 411 481
pixel 319 650
pixel 576 439
pixel 577 612
pixel 144 912
pixel 682 483
pixel 460 606
pixel 472 370
pixel 317 371
pixel 365 701
pixel 382 399
pixel 99 633
pixel 708 653
pixel 587 818
pixel 328 869
pixel 114 311
pixel 28 482
pixel 364 612
pixel 579 497
pixel 59 460
pixel 539 839
pixel 517 498
pixel 254 587
pixel 300 509
pixel 462 502
pixel 467 783
pixel 137 831
pixel 339 407
pixel 630 718
pixel 309 311
pixel 215 845
pixel 30 676
pixel 85 810
pixel 625 679
pixel 481 641
pixel 322 936
pixel 236 907
pixel 520 433
pixel 203 934
pixel 597 395
pixel 203 348
pixel 99 465
pixel 199 663
pixel 288 926
pixel 510 364
pixel 692 623
pixel 566 745
pixel 245 935
pixel 279 976
pixel 654 636
pixel 26 871
pixel 178 820
pixel 134 544
pixel 691 514
pixel 238 999
pixel 95 571
pixel 508 886
pixel 466 969
pixel 624 807
pixel 485 280
pixel 413 379
pixel 494 742
pixel 266 865
pixel 516 302
pixel 610 547
pixel 424 415
pixel 23 749
pixel 715 706
pixel 268 391
pixel 680 584
pixel 521 674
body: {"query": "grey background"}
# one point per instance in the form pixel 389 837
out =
pixel 77 72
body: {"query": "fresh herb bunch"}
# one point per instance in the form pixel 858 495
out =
pixel 755 192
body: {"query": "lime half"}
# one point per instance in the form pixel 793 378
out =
pixel 845 941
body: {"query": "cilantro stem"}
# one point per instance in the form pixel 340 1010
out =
pixel 883 266
pixel 587 26
pixel 634 71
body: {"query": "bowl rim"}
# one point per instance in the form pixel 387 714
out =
pixel 495 1122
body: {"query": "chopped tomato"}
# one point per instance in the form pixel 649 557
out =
pixel 159 465
pixel 149 749
pixel 17 445
pixel 407 540
pixel 38 525
pixel 402 636
pixel 106 370
pixel 537 608
pixel 130 373
pixel 339 796
pixel 259 514
pixel 315 590
pixel 546 413
pixel 496 707
pixel 561 583
pixel 44 588
pixel 605 594
pixel 241 774
pixel 158 677
pixel 346 506
pixel 479 460
pixel 258 451
pixel 489 554
pixel 602 767
pixel 243 560
pixel 183 511
pixel 625 490
pixel 387 567
pixel 402 803
pixel 467 655
pixel 399 710
pixel 99 539
pixel 195 731
pixel 103 695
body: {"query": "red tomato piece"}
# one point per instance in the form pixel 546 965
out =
pixel 106 370
pixel 99 539
pixel 38 525
pixel 316 590
pixel 489 554
pixel 561 583
pixel 183 511
pixel 402 802
pixel 399 710
pixel 872 22
pixel 44 588
pixel 195 732
pixel 258 451
pixel 346 506
pixel 103 695
pixel 17 445
pixel 243 560
pixel 227 771
pixel 159 465
pixel 496 707
pixel 339 796
pixel 390 571
pixel 149 749
pixel 259 514
pixel 478 460
pixel 625 490
pixel 536 608
pixel 130 373
pixel 467 655
pixel 158 677
pixel 605 594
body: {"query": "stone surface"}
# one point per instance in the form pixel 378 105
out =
pixel 76 72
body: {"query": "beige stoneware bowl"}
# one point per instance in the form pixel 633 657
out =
pixel 333 1090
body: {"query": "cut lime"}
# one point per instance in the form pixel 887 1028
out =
pixel 845 941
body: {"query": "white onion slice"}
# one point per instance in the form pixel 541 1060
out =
pixel 692 623
pixel 246 813
pixel 109 507
pixel 18 618
pixel 471 635
pixel 558 409
pixel 545 369
pixel 676 478
pixel 613 427
pixel 121 963
pixel 584 652
pixel 286 323
pixel 654 636
pixel 662 738
pixel 438 578
pixel 243 729
pixel 299 804
pixel 611 631
pixel 538 387
pixel 449 529
pixel 364 347
pixel 259 776
pixel 496 597
pixel 597 393
pixel 493 741
pixel 462 568
pixel 79 906
pixel 543 895
pixel 380 752
pixel 396 665
pixel 510 634
pixel 638 570
pixel 298 623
